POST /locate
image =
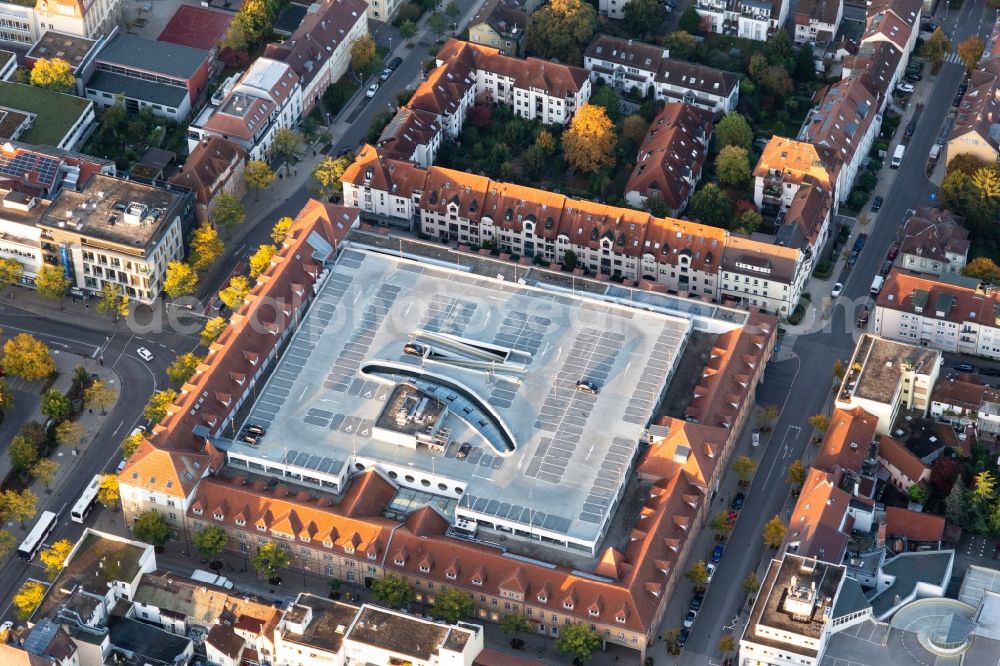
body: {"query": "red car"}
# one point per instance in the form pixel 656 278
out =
pixel 893 251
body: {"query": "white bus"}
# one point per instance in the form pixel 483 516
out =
pixel 39 533
pixel 82 508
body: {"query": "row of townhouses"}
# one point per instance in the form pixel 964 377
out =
pixel 976 130
pixel 677 255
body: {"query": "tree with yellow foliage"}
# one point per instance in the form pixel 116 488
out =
pixel 55 74
pixel 28 598
pixel 54 557
pixel 589 142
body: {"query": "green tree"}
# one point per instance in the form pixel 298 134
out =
pixel 8 542
pixel 690 21
pixel 251 25
pixel 643 17
pixel 712 206
pixel 28 598
pixel 100 395
pixel 55 405
pixel 235 294
pixel 796 474
pixel 211 541
pixel 750 584
pixel 158 404
pixel 820 422
pixel 774 532
pixel 744 466
pixel 182 368
pixel 805 65
pixel 588 144
pixel 838 369
pixel 451 605
pixel 152 527
pixel 55 74
pixel 955 504
pixel 112 300
pixel 206 247
pixel 108 493
pixel 54 557
pixel 258 175
pixel 747 221
pixel 270 559
pixel 721 523
pixel 45 471
pixel 515 624
pixel 732 166
pixel 393 591
pixel 364 55
pixel 726 646
pixel 776 81
pixel 6 395
pixel 28 358
pixel 767 415
pixel 260 260
pixel 328 173
pixel 606 98
pixel 213 329
pixel 984 269
pixel 569 260
pixel 52 282
pixel 131 444
pixel 657 207
pixel 407 29
pixel 23 453
pixel 734 130
pixel 181 279
pixel 437 23
pixel 11 272
pixel 969 52
pixel 280 230
pixel 578 640
pixel 682 45
pixel 698 574
pixel 561 29
pixel 917 493
pixel 227 211
pixel 70 433
pixel 286 145
pixel 936 48
pixel 546 142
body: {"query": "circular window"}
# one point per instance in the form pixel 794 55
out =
pixel 358 466
pixel 409 478
pixel 393 474
pixel 425 483
pixel 442 486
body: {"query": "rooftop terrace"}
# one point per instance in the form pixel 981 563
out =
pixel 55 112
pixel 504 358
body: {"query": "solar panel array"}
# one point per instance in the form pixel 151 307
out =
pixel 524 333
pixel 653 376
pixel 343 377
pixel 608 480
pixel 448 315
pixel 516 513
pixel 24 162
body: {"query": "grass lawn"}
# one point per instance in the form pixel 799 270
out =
pixel 55 112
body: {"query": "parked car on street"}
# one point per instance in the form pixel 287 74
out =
pixel 876 203
pixel 696 601
pixel 690 618
pixel 964 367
pixel 711 572
pixel 372 89
pixel 905 88
pixel 717 554
pixel 837 290
pixel 738 501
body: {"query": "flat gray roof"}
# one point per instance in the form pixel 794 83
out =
pixel 505 358
pixel 152 56
pixel 147 91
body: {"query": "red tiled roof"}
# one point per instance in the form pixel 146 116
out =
pixel 914 525
pixel 317 36
pixel 895 453
pixel 933 233
pixel 819 517
pixel 206 163
pixel 901 288
pixel 966 395
pixel 847 441
pixel 809 210
pixel 672 153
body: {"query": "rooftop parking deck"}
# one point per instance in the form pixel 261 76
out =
pixel 516 442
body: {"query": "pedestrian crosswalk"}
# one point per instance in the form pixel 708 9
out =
pixel 953 58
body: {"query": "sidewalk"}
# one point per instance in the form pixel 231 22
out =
pixel 71 310
pixel 92 421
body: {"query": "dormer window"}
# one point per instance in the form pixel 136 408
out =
pixel 451 575
pixel 241 522
pixel 372 555
pixel 349 549
pixel 425 568
pixel 620 619
pixel 217 516
pixel 304 539
pixel 568 605
pixel 594 612
pixel 477 581
pixel 261 527
pixel 542 598
pixel 399 561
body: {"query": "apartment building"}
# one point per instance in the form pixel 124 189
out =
pixel 168 79
pixel 786 165
pixel 793 613
pixel 627 64
pixel 880 60
pixel 769 277
pixel 894 21
pixel 934 243
pixel 806 225
pixel 886 377
pixel 671 155
pixel 747 19
pixel 412 135
pixel 503 25
pixel 958 402
pixel 213 167
pixel 903 467
pixel 23 23
pixel 846 122
pixel 976 130
pixel 817 21
pixel 116 231
pixel 939 315
pixel 319 51
pixel 267 97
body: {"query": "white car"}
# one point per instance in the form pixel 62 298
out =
pixel 905 88
pixel 837 290
pixel 689 619
pixel 373 88
pixel 138 430
pixel 144 354
pixel 6 627
pixel 711 572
